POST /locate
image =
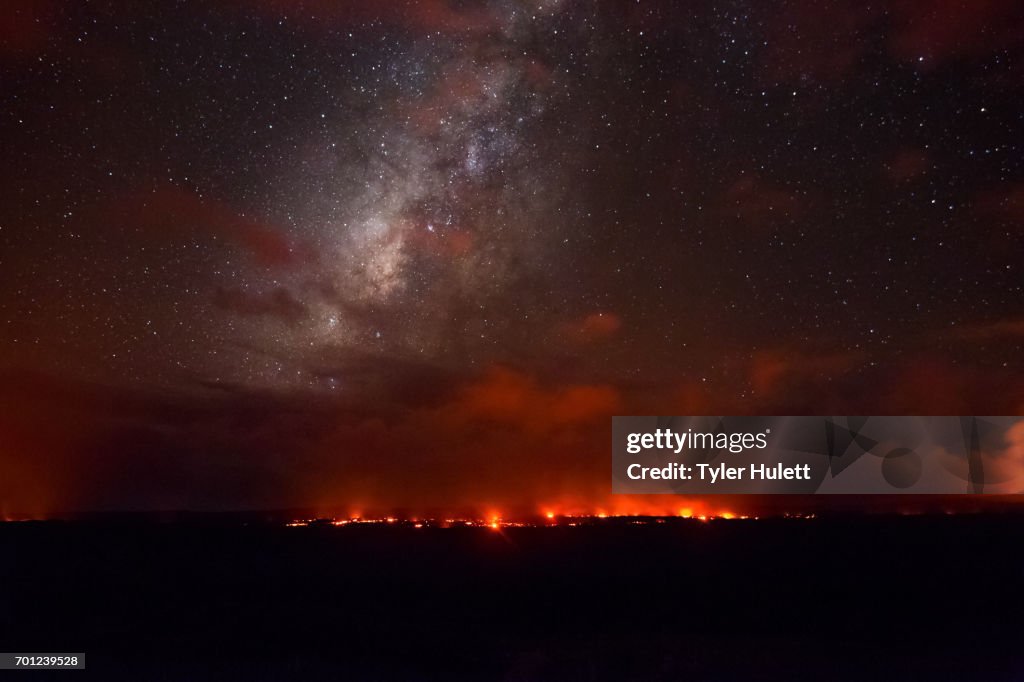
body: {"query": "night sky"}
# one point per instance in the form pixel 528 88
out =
pixel 413 255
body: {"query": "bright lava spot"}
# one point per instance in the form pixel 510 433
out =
pixel 549 519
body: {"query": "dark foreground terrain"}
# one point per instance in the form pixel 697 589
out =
pixel 922 598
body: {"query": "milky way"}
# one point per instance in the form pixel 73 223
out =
pixel 431 206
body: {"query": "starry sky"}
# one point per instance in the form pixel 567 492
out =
pixel 414 255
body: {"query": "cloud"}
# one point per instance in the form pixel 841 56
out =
pixel 496 437
pixel 907 164
pixel 1005 201
pixel 1015 443
pixel 934 384
pixel 498 441
pixel 168 214
pixel 759 203
pixel 506 396
pixel 930 32
pixel 1008 328
pixel 71 445
pixel 771 370
pixel 592 328
pixel 815 41
pixel 502 439
pixel 27 27
pixel 278 303
pixel 825 42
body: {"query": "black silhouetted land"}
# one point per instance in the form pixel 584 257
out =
pixel 886 597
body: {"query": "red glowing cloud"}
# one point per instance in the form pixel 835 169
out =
pixel 813 40
pixel 506 396
pixel 758 203
pixel 169 213
pixel 927 32
pixel 26 26
pixel 907 164
pixel 593 327
pixel 776 369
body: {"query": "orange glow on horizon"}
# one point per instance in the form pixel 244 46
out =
pixel 555 508
pixel 548 520
pixel 555 512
